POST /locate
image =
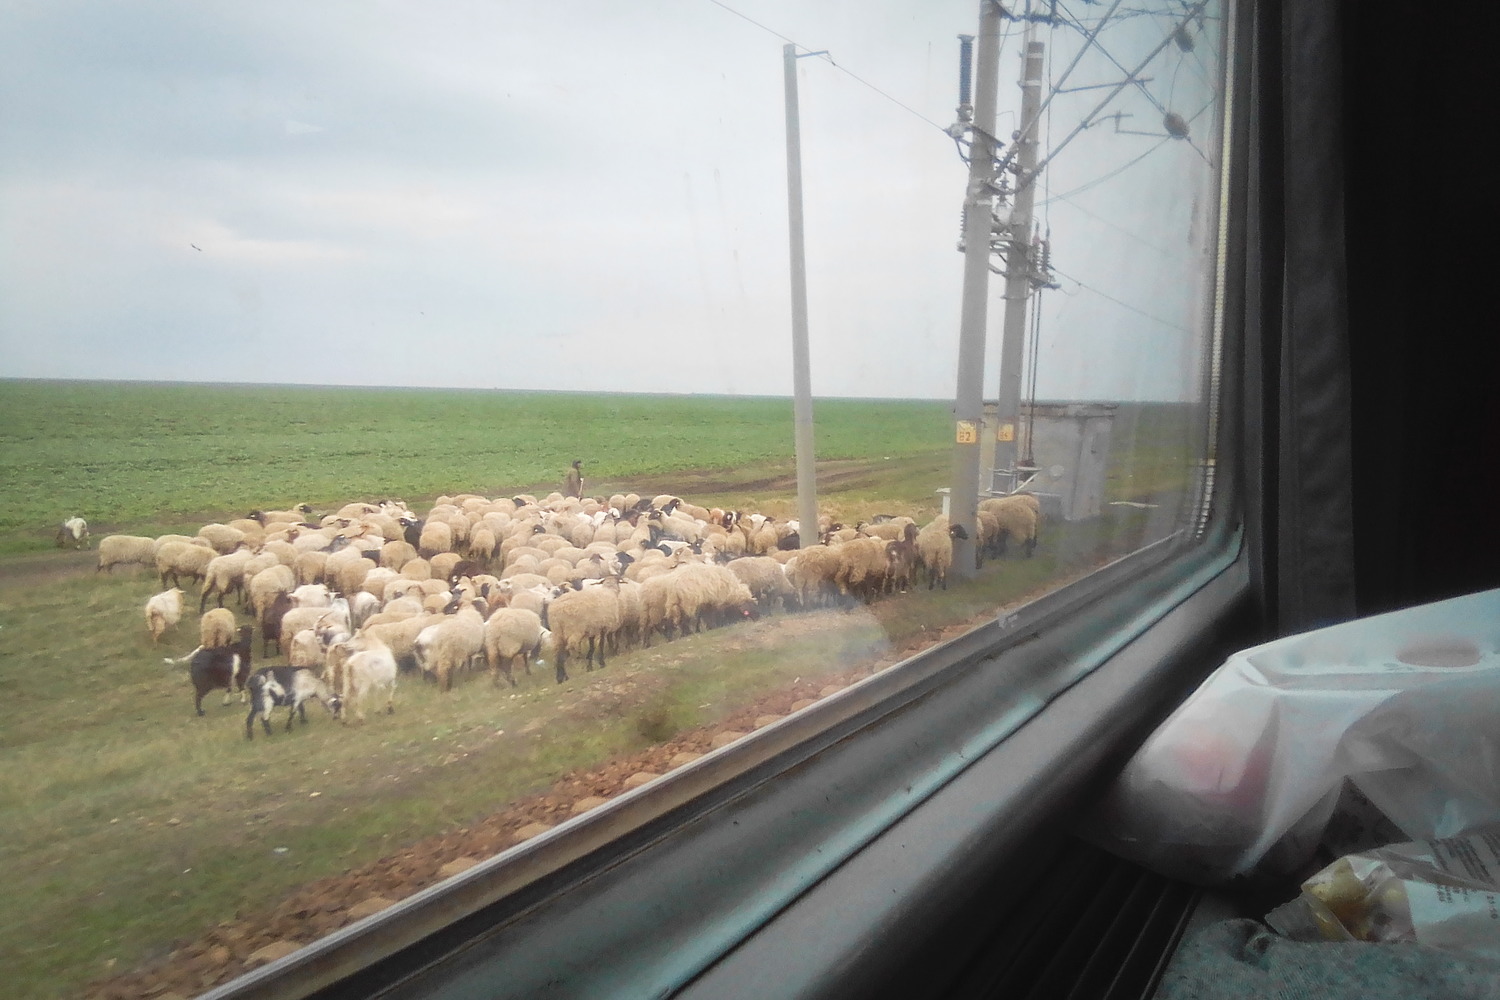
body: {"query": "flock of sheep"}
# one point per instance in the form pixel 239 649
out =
pixel 356 596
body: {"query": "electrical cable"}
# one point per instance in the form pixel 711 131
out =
pixel 1113 173
pixel 1124 305
pixel 1112 225
pixel 850 73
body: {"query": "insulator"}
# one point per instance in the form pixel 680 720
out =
pixel 965 57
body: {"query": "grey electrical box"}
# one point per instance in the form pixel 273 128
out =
pixel 1070 446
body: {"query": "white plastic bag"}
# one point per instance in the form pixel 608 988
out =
pixel 1247 771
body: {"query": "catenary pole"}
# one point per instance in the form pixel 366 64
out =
pixel 807 488
pixel 968 406
pixel 1020 268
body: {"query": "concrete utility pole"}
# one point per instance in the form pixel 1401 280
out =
pixel 807 485
pixel 1020 269
pixel 968 407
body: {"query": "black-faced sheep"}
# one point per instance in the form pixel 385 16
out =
pixel 935 549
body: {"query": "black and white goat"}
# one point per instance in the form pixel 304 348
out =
pixel 226 667
pixel 289 688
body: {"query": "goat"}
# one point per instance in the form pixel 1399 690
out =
pixel 224 667
pixel 289 688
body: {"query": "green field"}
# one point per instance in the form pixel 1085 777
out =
pixel 131 824
pixel 138 455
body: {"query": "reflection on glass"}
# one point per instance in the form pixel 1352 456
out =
pixel 228 228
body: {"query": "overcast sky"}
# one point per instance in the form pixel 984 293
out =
pixel 565 196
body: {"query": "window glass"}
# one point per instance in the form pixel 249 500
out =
pixel 366 291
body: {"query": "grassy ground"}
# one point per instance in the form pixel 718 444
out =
pixel 138 454
pixel 129 822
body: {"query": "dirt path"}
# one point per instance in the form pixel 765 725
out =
pixel 40 568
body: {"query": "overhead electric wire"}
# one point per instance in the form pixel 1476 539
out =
pixel 1140 84
pixel 1112 225
pixel 1126 166
pixel 1124 305
pixel 850 73
pixel 1088 119
pixel 1052 90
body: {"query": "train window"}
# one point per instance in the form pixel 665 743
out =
pixel 450 350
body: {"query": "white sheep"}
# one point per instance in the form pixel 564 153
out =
pixel 298 619
pixel 310 566
pixel 311 595
pixel 450 645
pixel 217 628
pixel 125 550
pixel 437 536
pixel 766 579
pixel 397 553
pixel 266 584
pixel 1020 518
pixel 862 568
pixel 578 615
pixel 224 575
pixel 305 650
pixel 811 572
pixel 182 559
pixel 510 633
pixel 401 636
pixel 442 564
pixel 222 537
pixel 705 594
pixel 350 574
pixel 163 611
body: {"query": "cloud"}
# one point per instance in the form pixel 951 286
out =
pixel 518 194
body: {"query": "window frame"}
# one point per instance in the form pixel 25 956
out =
pixel 903 789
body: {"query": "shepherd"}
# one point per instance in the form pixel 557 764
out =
pixel 573 485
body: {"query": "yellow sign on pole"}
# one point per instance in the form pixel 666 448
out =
pixel 1005 432
pixel 968 432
